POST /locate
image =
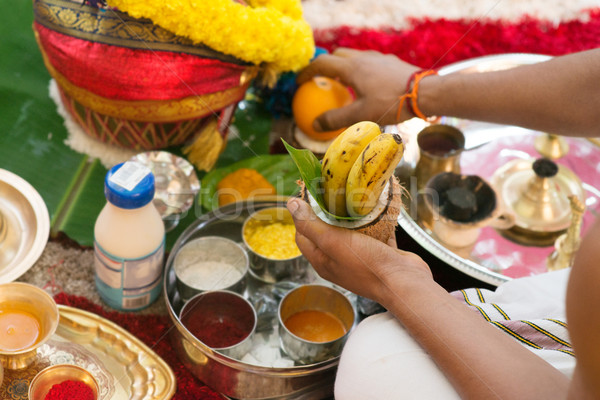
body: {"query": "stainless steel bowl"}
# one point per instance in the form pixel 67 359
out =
pixel 224 311
pixel 314 298
pixel 193 279
pixel 273 269
pixel 224 374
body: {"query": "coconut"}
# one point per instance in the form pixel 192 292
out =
pixel 380 223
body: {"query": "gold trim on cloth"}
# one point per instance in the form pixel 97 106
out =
pixel 158 111
pixel 113 27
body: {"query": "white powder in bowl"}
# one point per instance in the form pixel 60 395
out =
pixel 209 275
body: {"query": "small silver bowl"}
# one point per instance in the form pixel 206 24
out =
pixel 223 320
pixel 320 299
pixel 24 297
pixel 210 263
pixel 267 267
pixel 56 374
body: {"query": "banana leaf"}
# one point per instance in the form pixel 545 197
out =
pixel 279 170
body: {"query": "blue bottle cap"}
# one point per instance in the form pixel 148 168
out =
pixel 129 185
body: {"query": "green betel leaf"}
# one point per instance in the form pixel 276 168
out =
pixel 310 172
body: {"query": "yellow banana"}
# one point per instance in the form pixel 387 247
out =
pixel 339 159
pixel 370 173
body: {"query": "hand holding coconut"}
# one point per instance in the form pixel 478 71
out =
pixel 353 260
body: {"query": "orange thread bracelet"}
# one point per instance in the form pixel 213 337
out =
pixel 412 95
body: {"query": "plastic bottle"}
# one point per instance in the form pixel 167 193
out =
pixel 129 240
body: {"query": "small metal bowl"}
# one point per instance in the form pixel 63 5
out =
pixel 35 301
pixel 267 268
pixel 55 374
pixel 211 316
pixel 314 298
pixel 192 278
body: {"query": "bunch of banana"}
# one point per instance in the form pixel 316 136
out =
pixel 357 166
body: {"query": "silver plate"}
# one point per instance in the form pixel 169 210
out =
pixel 231 377
pixel 24 226
pixel 495 259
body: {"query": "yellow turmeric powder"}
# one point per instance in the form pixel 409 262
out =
pixel 242 184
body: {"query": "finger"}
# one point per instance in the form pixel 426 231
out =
pixel 324 65
pixel 304 218
pixel 392 242
pixel 332 241
pixel 339 118
pixel 315 256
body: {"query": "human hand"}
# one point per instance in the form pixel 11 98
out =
pixel 377 79
pixel 352 260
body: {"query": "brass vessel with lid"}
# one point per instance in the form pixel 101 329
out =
pixel 537 193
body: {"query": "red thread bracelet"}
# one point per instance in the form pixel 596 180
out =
pixel 413 93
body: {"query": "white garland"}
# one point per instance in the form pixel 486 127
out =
pixel 322 14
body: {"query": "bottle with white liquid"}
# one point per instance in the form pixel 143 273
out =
pixel 129 239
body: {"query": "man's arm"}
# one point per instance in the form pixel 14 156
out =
pixel 479 360
pixel 560 96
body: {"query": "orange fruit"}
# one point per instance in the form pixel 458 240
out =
pixel 313 98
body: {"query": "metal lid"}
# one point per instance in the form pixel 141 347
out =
pixel 537 193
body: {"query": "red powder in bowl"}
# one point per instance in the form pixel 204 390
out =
pixel 70 390
pixel 218 319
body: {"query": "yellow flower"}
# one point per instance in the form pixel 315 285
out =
pixel 271 32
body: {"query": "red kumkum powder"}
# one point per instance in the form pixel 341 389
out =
pixel 70 390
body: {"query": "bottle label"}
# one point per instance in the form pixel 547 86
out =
pixel 129 175
pixel 126 283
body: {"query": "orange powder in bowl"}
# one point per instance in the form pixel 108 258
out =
pixel 18 329
pixel 315 326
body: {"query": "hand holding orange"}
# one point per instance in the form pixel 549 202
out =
pixel 313 98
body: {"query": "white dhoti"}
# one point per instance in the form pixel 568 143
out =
pixel 382 361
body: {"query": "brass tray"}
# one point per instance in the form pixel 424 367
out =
pixel 494 259
pixel 124 367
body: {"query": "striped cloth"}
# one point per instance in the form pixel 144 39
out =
pixel 532 311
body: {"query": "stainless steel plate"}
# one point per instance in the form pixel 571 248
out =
pixel 494 259
pixel 231 377
pixel 24 226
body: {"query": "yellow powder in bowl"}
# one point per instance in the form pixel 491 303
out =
pixel 274 240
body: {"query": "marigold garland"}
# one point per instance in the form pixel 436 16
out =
pixel 271 32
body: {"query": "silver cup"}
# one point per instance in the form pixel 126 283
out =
pixel 270 269
pixel 191 276
pixel 210 316
pixel 314 298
